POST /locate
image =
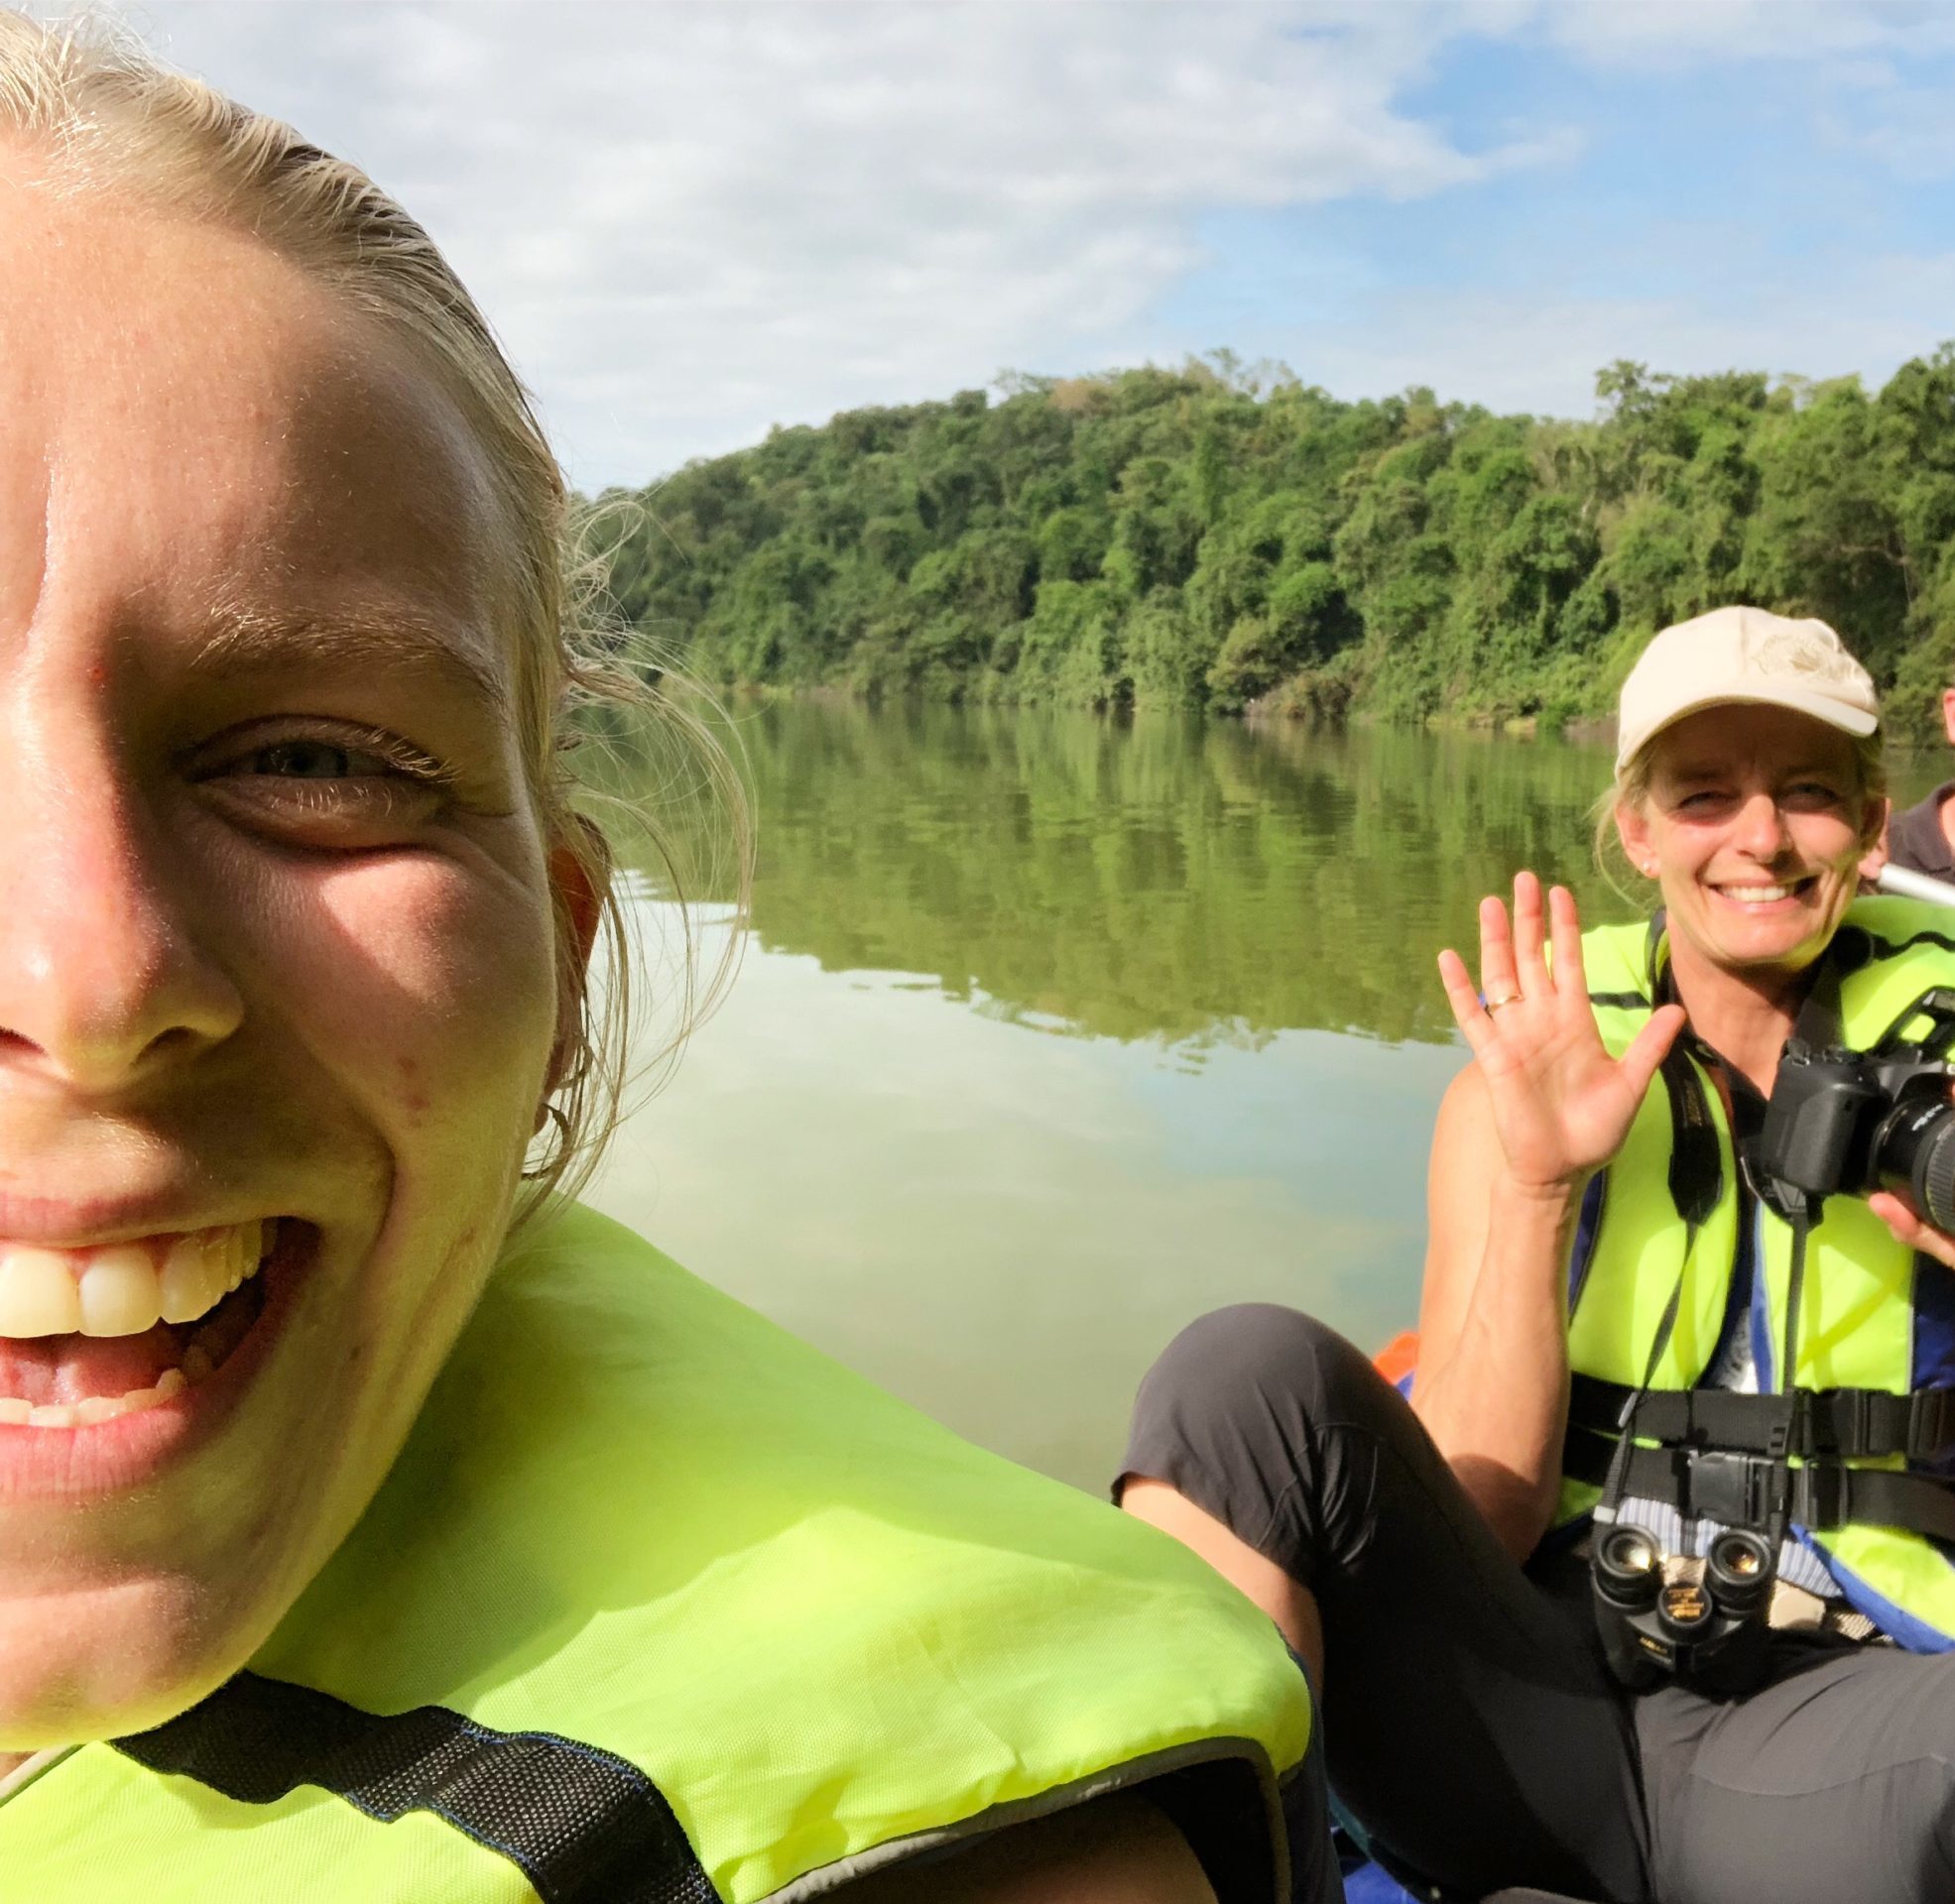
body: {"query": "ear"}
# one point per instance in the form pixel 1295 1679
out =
pixel 1875 812
pixel 578 887
pixel 1633 829
pixel 580 881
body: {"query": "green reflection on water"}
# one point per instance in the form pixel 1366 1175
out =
pixel 1235 929
pixel 1162 880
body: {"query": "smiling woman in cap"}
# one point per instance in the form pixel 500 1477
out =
pixel 1751 1692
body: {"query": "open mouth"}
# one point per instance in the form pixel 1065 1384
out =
pixel 1759 892
pixel 87 1336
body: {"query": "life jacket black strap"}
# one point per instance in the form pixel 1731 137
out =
pixel 1754 1490
pixel 1853 1424
pixel 582 1825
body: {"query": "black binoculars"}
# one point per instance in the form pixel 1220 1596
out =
pixel 1710 1631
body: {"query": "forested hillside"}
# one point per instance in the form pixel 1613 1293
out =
pixel 1214 535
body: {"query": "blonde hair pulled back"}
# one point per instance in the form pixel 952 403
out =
pixel 99 113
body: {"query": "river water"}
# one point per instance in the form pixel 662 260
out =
pixel 1053 1032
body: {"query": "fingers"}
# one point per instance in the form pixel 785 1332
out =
pixel 1530 968
pixel 1513 959
pixel 1464 997
pixel 1649 1048
pixel 1570 976
pixel 1908 1229
pixel 1497 974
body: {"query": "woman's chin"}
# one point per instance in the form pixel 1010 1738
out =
pixel 106 1659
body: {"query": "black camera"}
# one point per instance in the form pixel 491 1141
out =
pixel 1850 1122
pixel 1657 1623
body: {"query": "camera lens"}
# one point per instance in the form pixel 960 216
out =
pixel 1628 1567
pixel 1739 1571
pixel 1914 1155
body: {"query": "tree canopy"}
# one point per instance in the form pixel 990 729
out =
pixel 1222 536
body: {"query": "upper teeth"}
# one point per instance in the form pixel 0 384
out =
pixel 1758 894
pixel 124 1289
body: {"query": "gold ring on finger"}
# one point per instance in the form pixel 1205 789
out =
pixel 1494 1005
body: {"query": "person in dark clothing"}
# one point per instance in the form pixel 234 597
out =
pixel 1922 837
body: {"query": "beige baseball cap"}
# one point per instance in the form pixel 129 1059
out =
pixel 1743 655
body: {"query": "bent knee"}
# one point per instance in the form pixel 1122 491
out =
pixel 1231 1412
pixel 1255 1358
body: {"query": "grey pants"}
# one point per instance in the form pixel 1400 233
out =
pixel 1469 1720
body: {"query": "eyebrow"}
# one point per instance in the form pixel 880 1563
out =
pixel 349 641
pixel 1818 769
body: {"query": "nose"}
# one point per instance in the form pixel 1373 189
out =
pixel 1761 828
pixel 104 979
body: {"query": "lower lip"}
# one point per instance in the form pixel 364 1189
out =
pixel 101 1459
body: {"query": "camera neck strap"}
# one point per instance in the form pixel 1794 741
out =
pixel 1820 1026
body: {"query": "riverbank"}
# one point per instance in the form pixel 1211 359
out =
pixel 1226 539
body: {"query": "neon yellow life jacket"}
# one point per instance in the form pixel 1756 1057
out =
pixel 660 1606
pixel 1874 1321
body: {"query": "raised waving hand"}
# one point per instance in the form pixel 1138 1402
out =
pixel 1562 1106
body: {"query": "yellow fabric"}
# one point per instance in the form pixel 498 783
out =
pixel 1638 1248
pixel 635 1515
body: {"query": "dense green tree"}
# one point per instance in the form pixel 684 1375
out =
pixel 1223 536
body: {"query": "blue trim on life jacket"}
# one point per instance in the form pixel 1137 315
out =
pixel 1741 1298
pixel 1935 1325
pixel 1581 1251
pixel 1370 1885
pixel 1899 1625
pixel 1761 1351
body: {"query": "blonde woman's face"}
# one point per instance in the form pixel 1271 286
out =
pixel 1754 826
pixel 277 996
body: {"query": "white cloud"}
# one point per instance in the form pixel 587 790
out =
pixel 691 221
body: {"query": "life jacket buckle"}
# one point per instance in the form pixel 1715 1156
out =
pixel 1823 1494
pixel 1930 1425
pixel 1794 1429
pixel 1853 1421
pixel 1739 1491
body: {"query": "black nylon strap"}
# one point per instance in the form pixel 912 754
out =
pixel 1586 1454
pixel 583 1826
pixel 1620 1001
pixel 1696 1168
pixel 1852 1423
pixel 1753 1491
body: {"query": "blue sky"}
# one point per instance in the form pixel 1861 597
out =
pixel 693 221
pixel 1790 212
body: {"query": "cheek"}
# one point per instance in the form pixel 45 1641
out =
pixel 1826 840
pixel 427 989
pixel 1682 851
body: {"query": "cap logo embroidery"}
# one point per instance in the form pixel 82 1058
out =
pixel 1794 650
